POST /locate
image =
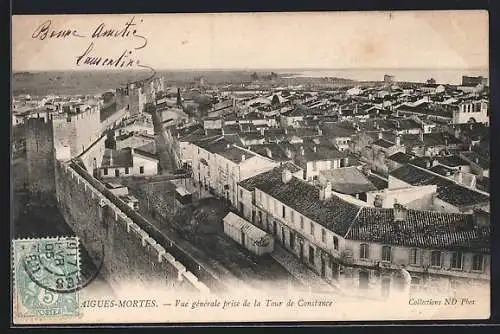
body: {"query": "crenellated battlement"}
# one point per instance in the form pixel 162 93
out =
pixel 149 249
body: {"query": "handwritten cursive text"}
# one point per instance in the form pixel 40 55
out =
pixel 45 31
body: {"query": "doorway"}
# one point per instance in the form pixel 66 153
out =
pixel 363 279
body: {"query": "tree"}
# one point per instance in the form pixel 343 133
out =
pixel 276 100
pixel 360 141
pixel 255 76
pixel 204 104
pixel 179 98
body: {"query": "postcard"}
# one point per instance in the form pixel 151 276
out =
pixel 250 167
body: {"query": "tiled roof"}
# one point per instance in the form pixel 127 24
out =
pixel 452 161
pixel 383 143
pixel 235 154
pixel 447 190
pixel 483 184
pixel 442 170
pixel 480 160
pixel 276 151
pixel 334 213
pixel 114 158
pixel 378 182
pixel 422 229
pixel 146 154
pixel 333 130
pixel 273 175
pixel 348 180
pixel 421 161
pixel 426 109
pixel 439 138
pixel 400 157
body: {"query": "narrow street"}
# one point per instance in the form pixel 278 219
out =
pixel 167 163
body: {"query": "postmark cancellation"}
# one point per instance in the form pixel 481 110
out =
pixel 46 275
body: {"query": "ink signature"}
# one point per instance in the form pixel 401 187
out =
pixel 93 57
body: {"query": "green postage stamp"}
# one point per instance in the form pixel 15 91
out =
pixel 46 277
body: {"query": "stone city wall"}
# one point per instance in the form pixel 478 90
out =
pixel 127 251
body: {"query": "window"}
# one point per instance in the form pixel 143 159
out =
pixel 126 170
pixel 363 251
pixel 301 222
pixel 477 262
pixel 241 193
pixel 323 235
pixel 283 211
pixel 311 255
pixel 456 260
pixel 292 214
pixel 105 171
pixel 312 228
pixel 413 256
pixel 117 172
pixel 436 258
pixel 335 243
pixel 141 169
pixel 386 253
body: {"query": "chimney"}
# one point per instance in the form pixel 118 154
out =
pixel 398 140
pixel 476 160
pixel 314 148
pixel 427 164
pixel 421 135
pixel 262 131
pixel 302 150
pixel 380 135
pixel 326 191
pixel 228 145
pixel 222 131
pixel 268 152
pixel 288 153
pixel 320 132
pixel 376 125
pixel 460 177
pixel 399 212
pixel 286 176
pixel 243 157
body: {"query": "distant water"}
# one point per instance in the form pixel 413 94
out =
pixel 443 76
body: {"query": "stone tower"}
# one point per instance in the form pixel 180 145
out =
pixel 40 160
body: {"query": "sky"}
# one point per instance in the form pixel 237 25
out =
pixel 336 40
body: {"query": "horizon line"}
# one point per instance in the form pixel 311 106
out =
pixel 244 69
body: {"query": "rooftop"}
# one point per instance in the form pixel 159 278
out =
pixel 383 143
pixel 480 160
pixel 335 213
pixel 348 180
pixel 447 190
pixel 422 229
pixel 117 158
pixel 400 157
